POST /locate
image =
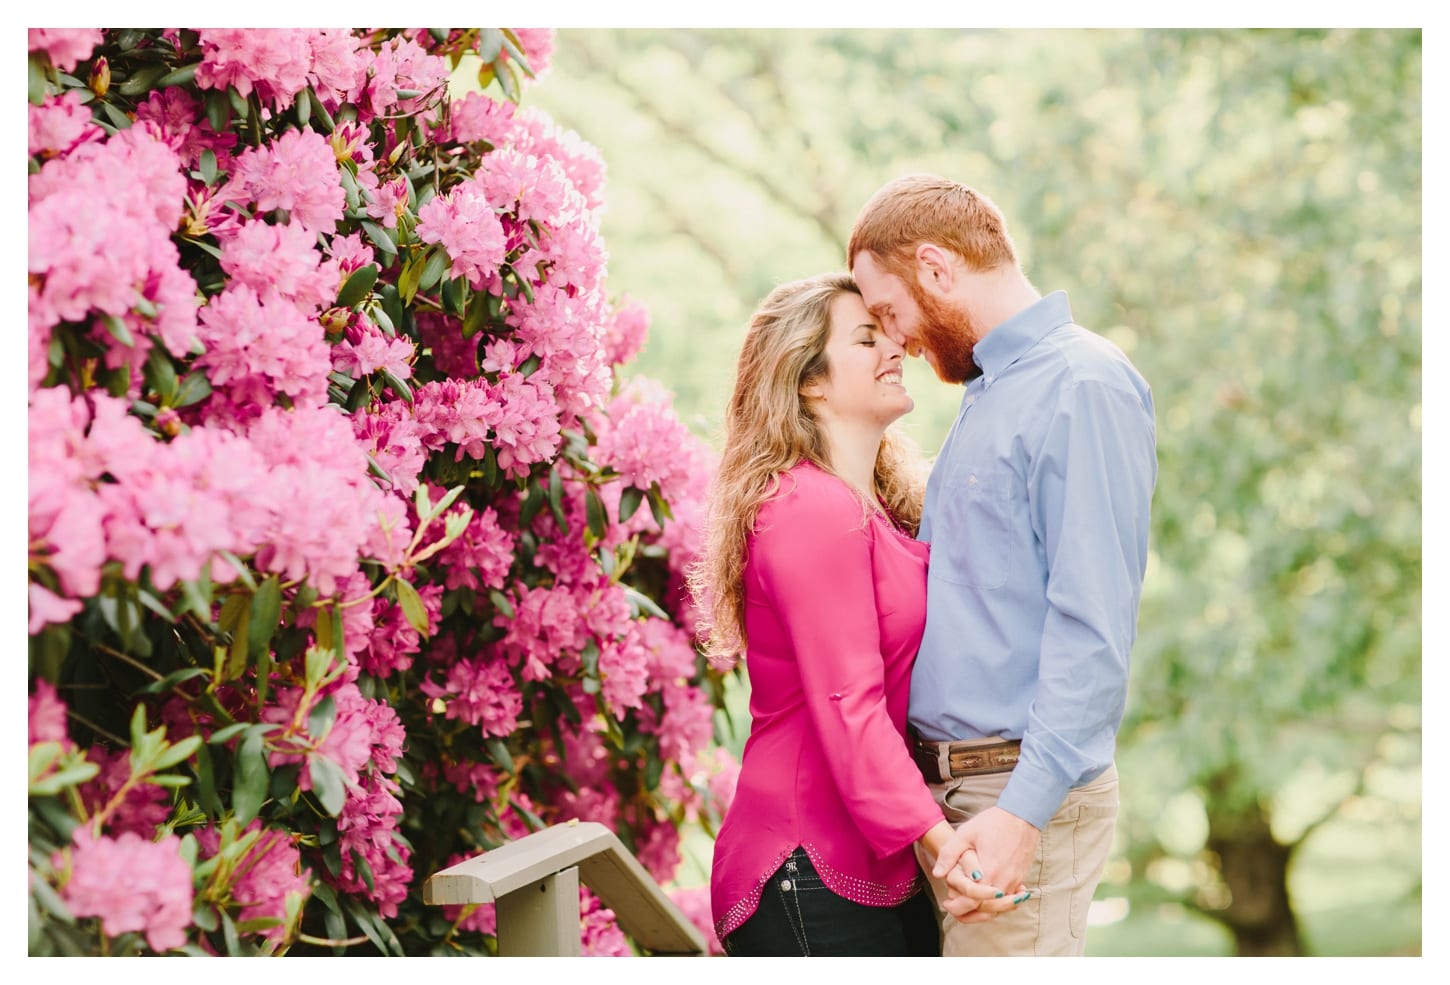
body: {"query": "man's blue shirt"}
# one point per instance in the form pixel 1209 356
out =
pixel 1037 514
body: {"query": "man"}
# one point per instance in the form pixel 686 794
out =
pixel 1037 513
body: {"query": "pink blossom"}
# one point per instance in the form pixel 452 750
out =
pixel 265 343
pixel 391 436
pixel 339 65
pixel 274 62
pixel 481 556
pixel 479 692
pixel 538 48
pixel 399 64
pixel 527 430
pixel 599 931
pixel 296 172
pixel 48 608
pixel 131 883
pixel 658 850
pixel 478 118
pixel 281 258
pixel 452 354
pixel 464 221
pixel 694 902
pixel 60 124
pixel 180 121
pixel 65 46
pixel 268 873
pixel 479 779
pixel 390 199
pixel 626 332
pixel 47 714
pixel 364 349
pixel 143 809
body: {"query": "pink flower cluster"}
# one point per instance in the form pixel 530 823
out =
pixel 100 227
pixel 267 875
pixel 131 883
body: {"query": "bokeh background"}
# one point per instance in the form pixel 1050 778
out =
pixel 1240 211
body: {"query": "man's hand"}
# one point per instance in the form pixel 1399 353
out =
pixel 1004 846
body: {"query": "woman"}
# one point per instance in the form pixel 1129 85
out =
pixel 812 565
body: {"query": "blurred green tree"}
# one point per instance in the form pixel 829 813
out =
pixel 1241 212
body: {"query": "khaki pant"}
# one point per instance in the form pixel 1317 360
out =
pixel 1063 876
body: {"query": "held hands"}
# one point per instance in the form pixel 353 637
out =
pixel 996 847
pixel 971 897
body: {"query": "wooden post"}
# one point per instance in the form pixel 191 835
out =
pixel 542 918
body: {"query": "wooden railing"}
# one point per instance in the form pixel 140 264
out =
pixel 535 882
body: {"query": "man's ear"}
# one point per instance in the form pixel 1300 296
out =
pixel 934 268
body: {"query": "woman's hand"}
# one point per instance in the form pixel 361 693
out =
pixel 968 899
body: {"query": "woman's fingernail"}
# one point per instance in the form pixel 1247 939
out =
pixel 1023 898
pixel 999 895
pixel 976 875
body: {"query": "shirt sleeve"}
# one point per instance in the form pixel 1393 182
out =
pixel 813 558
pixel 1089 494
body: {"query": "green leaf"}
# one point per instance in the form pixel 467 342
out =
pixel 266 615
pixel 433 270
pixel 144 78
pixel 38 84
pixel 408 279
pixel 324 715
pixel 594 511
pixel 500 754
pixel 180 77
pixel 379 236
pixel 629 501
pixel 118 330
pixel 172 679
pixel 358 285
pixel 208 166
pixel 195 387
pixel 501 602
pixel 477 315
pixel 452 296
pixel 177 753
pixel 413 608
pixel 639 602
pixel 398 386
pixel 250 778
pixel 218 110
pixel 303 105
pixel 160 375
pixel 556 499
pixel 328 783
pixel 206 780
pixel 658 506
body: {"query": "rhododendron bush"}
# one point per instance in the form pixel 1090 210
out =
pixel 350 553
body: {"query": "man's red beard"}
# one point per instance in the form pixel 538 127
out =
pixel 948 333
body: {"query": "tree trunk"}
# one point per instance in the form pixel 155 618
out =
pixel 1255 869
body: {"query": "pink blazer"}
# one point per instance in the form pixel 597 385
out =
pixel 835 601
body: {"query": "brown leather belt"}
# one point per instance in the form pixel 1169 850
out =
pixel 941 761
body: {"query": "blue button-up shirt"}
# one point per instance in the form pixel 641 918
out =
pixel 1037 513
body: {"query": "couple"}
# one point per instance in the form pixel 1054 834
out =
pixel 956 718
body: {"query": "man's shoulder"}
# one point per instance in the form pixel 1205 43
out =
pixel 1085 356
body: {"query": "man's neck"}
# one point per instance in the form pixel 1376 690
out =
pixel 999 296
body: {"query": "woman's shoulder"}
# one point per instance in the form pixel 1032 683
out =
pixel 806 490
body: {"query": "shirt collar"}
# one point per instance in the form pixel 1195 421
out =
pixel 1006 343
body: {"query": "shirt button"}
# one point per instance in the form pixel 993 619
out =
pixel 785 885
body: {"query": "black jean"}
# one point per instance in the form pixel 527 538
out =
pixel 799 916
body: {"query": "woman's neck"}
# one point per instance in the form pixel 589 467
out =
pixel 853 457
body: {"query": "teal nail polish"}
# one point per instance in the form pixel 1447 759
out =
pixel 976 875
pixel 1023 898
pixel 999 894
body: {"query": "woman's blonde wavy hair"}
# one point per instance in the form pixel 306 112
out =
pixel 768 429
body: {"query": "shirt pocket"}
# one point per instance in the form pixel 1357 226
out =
pixel 975 541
